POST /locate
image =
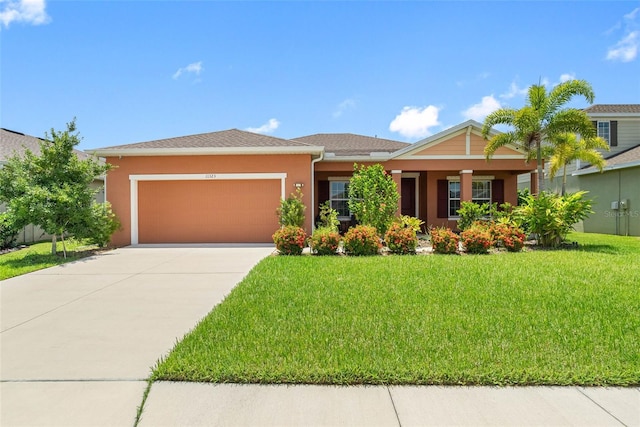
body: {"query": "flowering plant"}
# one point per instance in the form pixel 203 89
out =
pixel 401 240
pixel 290 240
pixel 324 241
pixel 509 236
pixel 362 240
pixel 444 241
pixel 476 239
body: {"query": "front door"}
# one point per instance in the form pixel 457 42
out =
pixel 408 196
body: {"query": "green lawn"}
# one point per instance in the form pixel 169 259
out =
pixel 38 256
pixel 539 317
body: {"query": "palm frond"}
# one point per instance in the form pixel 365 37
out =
pixel 571 120
pixel 564 92
pixel 537 98
pixel 502 116
pixel 499 140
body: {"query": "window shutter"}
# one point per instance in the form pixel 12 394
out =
pixel 497 191
pixel 613 133
pixel 323 192
pixel 443 198
pixel 595 125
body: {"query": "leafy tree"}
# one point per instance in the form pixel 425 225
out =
pixel 543 118
pixel 373 196
pixel 567 148
pixel 52 189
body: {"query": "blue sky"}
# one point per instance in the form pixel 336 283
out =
pixel 133 71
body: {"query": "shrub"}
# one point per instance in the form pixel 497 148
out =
pixel 401 239
pixel 362 240
pixel 8 230
pixel 328 217
pixel 102 224
pixel 551 216
pixel 290 240
pixel 509 236
pixel 476 239
pixel 324 241
pixel 411 222
pixel 444 241
pixel 471 212
pixel 373 197
pixel 291 210
pixel 505 213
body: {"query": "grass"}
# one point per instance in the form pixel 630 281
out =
pixel 38 256
pixel 538 317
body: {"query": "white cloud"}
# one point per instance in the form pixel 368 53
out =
pixel 268 127
pixel 513 91
pixel 195 68
pixel 479 111
pixel 414 122
pixel 626 49
pixel 347 104
pixel 27 11
pixel 567 76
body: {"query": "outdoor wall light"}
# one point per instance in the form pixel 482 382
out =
pixel 298 185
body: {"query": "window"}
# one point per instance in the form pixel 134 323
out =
pixel 604 131
pixel 480 193
pixel 339 197
pixel 454 197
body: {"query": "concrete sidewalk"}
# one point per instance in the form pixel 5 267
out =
pixel 190 404
pixel 78 341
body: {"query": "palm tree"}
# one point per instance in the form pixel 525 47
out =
pixel 540 120
pixel 567 148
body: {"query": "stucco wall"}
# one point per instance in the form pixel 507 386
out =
pixel 609 187
pixel 297 167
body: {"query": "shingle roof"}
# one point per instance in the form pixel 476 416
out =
pixel 628 158
pixel 232 138
pixel 348 144
pixel 613 108
pixel 15 143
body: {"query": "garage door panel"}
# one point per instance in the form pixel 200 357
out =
pixel 207 211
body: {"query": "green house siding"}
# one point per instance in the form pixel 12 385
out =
pixel 608 187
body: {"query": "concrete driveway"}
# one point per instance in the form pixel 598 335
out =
pixel 78 341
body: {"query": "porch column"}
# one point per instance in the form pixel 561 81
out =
pixel 397 178
pixel 534 182
pixel 466 189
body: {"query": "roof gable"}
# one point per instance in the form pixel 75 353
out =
pixel 463 141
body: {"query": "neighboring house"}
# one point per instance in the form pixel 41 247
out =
pixel 615 193
pixel 618 124
pixel 226 186
pixel 15 143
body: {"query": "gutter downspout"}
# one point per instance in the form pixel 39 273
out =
pixel 313 190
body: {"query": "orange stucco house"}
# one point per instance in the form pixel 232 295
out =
pixel 225 187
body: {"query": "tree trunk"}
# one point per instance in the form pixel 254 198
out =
pixel 564 180
pixel 53 245
pixel 64 248
pixel 540 171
